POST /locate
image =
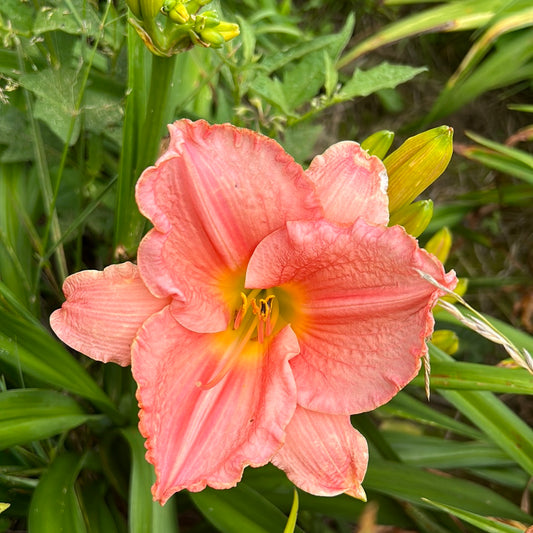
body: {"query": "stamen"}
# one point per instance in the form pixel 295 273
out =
pixel 241 312
pixel 235 349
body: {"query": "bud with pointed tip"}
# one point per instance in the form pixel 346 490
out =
pixel 414 217
pixel 418 162
pixel 378 143
pixel 440 244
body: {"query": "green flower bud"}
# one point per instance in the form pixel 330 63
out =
pixel 378 143
pixel 228 30
pixel 212 37
pixel 440 244
pixel 417 164
pixel 414 217
pixel 446 340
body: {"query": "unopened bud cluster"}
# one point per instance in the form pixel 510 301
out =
pixel 171 26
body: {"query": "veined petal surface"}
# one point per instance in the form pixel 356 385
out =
pixel 323 454
pixel 103 311
pixel 215 193
pixel 350 184
pixel 363 311
pixel 206 410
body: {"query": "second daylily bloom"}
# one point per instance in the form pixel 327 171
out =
pixel 268 304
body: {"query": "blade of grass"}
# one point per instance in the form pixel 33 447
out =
pixel 405 406
pixel 494 418
pixel 33 414
pixel 471 376
pixel 27 346
pixel 454 16
pixel 412 484
pixel 485 524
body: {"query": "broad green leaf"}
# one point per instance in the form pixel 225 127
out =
pixel 271 90
pixel 71 16
pixel 20 16
pixel 384 76
pixel 145 515
pixel 248 39
pixel 471 376
pixel 33 414
pixel 14 136
pixel 56 92
pixel 485 524
pixel 54 506
pixel 27 347
pixel 412 484
pixel 239 509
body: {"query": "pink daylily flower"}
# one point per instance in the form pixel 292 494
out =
pixel 268 304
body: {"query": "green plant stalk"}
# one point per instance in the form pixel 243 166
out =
pixel 143 124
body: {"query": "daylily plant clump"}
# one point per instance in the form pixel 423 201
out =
pixel 267 305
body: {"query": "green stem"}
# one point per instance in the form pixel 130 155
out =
pixel 147 111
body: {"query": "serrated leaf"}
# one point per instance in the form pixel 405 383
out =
pixel 384 76
pixel 56 92
pixel 33 414
pixel 303 81
pixel 19 14
pixel 54 506
pixel 333 44
pixel 13 135
pixel 271 90
pixel 76 17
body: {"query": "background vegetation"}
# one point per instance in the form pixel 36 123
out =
pixel 82 111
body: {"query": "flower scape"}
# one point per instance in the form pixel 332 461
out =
pixel 267 305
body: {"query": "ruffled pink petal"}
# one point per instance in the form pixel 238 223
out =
pixel 103 311
pixel 351 184
pixel 323 454
pixel 362 311
pixel 215 193
pixel 207 414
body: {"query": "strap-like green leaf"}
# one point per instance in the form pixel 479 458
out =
pixel 54 506
pixel 33 414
